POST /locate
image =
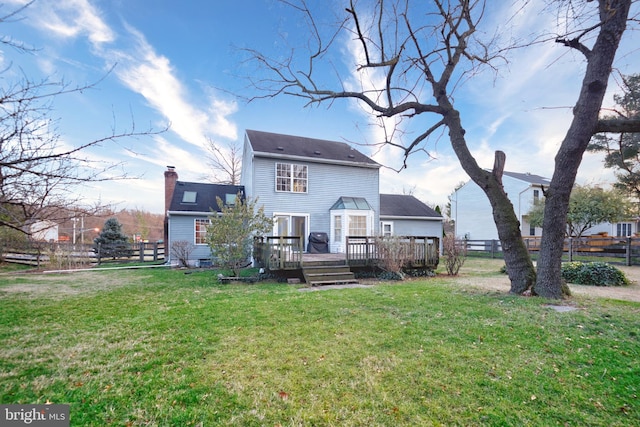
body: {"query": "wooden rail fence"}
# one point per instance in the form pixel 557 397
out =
pixel 68 254
pixel 626 249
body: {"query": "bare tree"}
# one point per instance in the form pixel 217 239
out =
pixel 610 25
pixel 39 174
pixel 420 53
pixel 225 162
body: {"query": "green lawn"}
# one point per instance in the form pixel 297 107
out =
pixel 163 348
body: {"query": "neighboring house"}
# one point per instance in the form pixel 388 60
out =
pixel 473 218
pixel 472 213
pixel 619 229
pixel 188 206
pixel 312 185
pixel 404 215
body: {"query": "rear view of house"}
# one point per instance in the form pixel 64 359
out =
pixel 311 185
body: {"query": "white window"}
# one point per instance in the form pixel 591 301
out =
pixel 387 228
pixel 201 231
pixel 337 228
pixel 357 225
pixel 623 229
pixel 291 178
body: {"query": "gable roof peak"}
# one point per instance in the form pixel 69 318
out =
pixel 267 144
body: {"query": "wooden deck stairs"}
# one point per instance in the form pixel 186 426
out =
pixel 327 273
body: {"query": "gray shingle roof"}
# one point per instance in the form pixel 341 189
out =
pixel 405 206
pixel 205 199
pixel 278 145
pixel 528 177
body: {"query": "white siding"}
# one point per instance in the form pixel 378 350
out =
pixel 472 213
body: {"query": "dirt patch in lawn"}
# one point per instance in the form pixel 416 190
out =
pixel 501 283
pixel 74 283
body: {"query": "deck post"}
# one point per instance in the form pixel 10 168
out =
pixel 366 249
pixel 301 251
pixel 426 252
pixel 281 252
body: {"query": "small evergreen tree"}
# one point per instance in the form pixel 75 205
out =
pixel 230 234
pixel 112 242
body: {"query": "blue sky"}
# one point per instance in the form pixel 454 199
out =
pixel 178 63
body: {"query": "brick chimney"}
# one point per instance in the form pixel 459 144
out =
pixel 170 178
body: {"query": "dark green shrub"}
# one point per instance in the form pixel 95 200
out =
pixel 593 274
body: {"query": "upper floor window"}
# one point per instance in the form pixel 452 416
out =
pixel 201 231
pixel 291 178
pixel 536 195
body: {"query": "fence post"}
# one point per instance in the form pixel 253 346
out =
pixel 99 253
pixel 570 249
pixel 155 251
pixel 141 246
pixel 628 251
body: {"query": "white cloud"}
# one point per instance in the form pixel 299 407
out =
pixel 141 69
pixel 163 153
pixel 151 75
pixel 73 18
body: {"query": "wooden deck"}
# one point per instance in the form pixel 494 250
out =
pixel 307 257
pixel 287 253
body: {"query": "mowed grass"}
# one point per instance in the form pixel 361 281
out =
pixel 163 348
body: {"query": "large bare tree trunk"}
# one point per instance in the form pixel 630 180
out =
pixel 520 269
pixel 613 15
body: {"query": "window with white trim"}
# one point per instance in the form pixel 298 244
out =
pixel 337 228
pixel 291 178
pixel 357 225
pixel 201 231
pixel 623 229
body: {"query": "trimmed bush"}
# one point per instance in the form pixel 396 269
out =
pixel 593 274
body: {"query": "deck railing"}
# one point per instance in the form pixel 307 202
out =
pixel 279 252
pixel 285 252
pixel 417 251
